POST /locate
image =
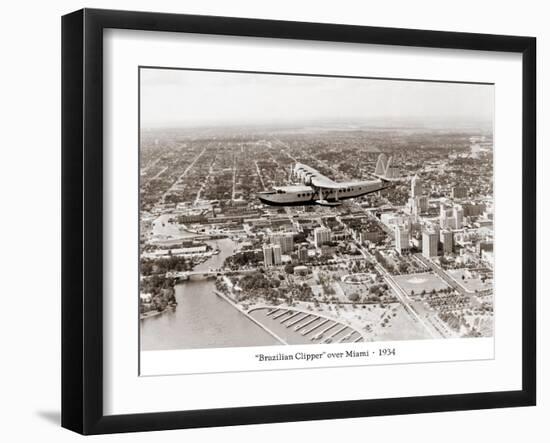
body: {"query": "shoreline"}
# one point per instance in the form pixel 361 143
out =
pixel 247 315
pixel 150 314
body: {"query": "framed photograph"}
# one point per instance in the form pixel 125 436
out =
pixel 269 221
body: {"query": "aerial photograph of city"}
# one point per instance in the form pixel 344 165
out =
pixel 294 209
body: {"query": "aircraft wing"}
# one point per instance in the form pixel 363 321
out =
pixel 325 183
pixel 315 177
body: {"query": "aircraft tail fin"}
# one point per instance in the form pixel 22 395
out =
pixel 386 169
pixel 381 165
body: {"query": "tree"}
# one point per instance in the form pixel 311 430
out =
pixel 289 269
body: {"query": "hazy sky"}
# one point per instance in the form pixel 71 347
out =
pixel 187 98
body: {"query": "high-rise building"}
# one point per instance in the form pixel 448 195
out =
pixel 402 239
pixel 451 217
pixel 268 255
pixel 418 205
pixel 458 214
pixel 277 259
pixel 446 239
pixel 284 239
pixel 429 244
pixel 321 236
pixel 416 187
pixel 413 208
pixel 422 203
pixel 444 214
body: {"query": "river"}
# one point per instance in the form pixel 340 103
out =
pixel 202 319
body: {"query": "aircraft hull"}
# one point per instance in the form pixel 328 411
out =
pixel 288 203
pixel 274 201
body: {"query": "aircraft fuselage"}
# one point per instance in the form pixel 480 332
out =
pixel 301 195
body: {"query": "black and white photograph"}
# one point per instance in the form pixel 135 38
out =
pixel 275 222
pixel 280 209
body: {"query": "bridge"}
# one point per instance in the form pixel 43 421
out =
pixel 186 275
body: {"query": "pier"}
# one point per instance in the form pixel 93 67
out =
pixel 298 326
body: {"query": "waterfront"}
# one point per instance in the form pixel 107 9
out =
pixel 412 261
pixel 202 319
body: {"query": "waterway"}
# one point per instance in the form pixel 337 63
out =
pixel 202 319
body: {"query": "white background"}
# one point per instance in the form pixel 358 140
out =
pixel 30 222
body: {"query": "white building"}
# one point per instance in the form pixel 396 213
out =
pixel 458 214
pixel 422 203
pixel 391 218
pixel 321 236
pixel 268 255
pixel 445 213
pixel 451 217
pixel 446 239
pixel 277 257
pixel 402 239
pixel 418 205
pixel 417 189
pixel 284 239
pixel 430 243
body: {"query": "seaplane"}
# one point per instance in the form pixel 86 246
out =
pixel 316 189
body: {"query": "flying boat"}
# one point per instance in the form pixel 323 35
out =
pixel 315 188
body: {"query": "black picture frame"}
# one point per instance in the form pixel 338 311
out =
pixel 82 215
